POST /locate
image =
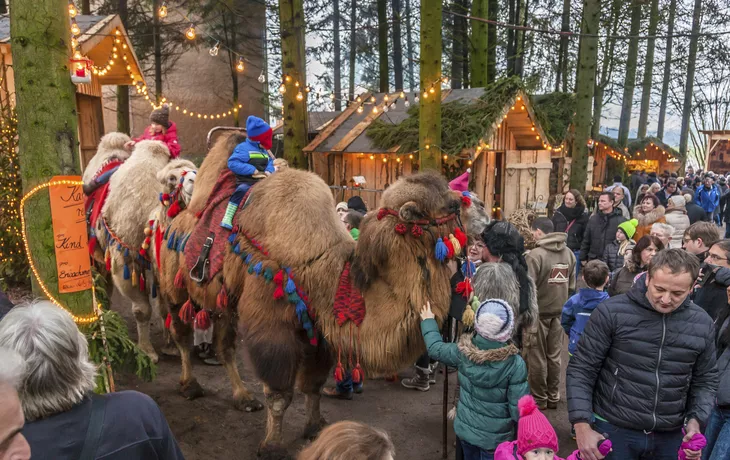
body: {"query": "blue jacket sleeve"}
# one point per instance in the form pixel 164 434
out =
pixel 446 353
pixel 568 317
pixel 270 166
pixel 239 161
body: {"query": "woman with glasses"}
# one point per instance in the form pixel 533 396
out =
pixel 713 282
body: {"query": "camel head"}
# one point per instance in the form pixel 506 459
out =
pixel 176 173
pixel 475 217
pixel 111 149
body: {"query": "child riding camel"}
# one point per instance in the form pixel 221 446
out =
pixel 160 129
pixel 249 162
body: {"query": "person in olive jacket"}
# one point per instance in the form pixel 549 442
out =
pixel 492 375
pixel 601 228
pixel 645 368
pixel 571 218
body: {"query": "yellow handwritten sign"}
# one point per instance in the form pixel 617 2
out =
pixel 70 237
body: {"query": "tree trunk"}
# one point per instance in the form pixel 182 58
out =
pixel 430 109
pixel 157 42
pixel 409 47
pixel 384 72
pixel 337 52
pixel 521 38
pixel 47 126
pixel 123 122
pixel 606 68
pixel 691 62
pixel 85 6
pixel 648 70
pixel 585 86
pixel 230 35
pixel 492 41
pixel 667 71
pixel 353 49
pixel 397 46
pixel 630 78
pixel 457 50
pixel 562 69
pixel 511 33
pixel 293 61
pixel 479 35
pixel 3 7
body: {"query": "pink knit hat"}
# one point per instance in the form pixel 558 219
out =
pixel 461 183
pixel 534 431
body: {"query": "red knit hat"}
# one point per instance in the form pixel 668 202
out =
pixel 533 430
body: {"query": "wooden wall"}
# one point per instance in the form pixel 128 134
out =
pixel 527 179
pixel 91 126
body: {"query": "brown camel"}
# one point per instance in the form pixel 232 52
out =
pixel 288 225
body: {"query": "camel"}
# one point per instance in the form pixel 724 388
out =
pixel 134 191
pixel 288 226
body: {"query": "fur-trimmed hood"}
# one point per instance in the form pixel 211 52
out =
pixel 477 355
pixel 650 217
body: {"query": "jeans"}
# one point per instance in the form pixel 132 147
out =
pixel 577 264
pixel 472 452
pixel 240 192
pixel 637 445
pixel 346 386
pixel 718 435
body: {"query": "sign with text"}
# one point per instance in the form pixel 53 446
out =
pixel 69 236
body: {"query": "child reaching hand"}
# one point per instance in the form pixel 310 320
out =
pixel 492 375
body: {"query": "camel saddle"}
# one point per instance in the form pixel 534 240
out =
pixel 205 251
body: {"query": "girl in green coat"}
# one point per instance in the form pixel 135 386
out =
pixel 492 375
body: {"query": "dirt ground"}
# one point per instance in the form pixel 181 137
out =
pixel 210 428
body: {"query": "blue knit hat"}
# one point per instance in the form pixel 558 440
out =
pixel 494 320
pixel 255 126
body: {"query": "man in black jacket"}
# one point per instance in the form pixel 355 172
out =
pixel 601 229
pixel 645 366
pixel 694 211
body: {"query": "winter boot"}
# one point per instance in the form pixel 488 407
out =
pixel 419 381
pixel 227 221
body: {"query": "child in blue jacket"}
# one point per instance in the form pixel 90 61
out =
pixel 250 162
pixel 577 310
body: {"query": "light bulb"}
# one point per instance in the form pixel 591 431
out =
pixel 262 77
pixel 432 90
pixel 332 96
pixel 407 104
pixel 375 109
pixel 410 157
pixel 190 33
pixel 282 88
pixel 359 109
pixel 428 146
pixel 446 157
pixel 308 89
pixel 402 95
pixel 359 99
pixel 240 66
pixel 425 94
pixel 162 12
pixel 77 55
pixel 300 96
pixel 74 42
pixel 372 157
pixel 416 99
pixel 385 160
pixel 385 109
pixel 72 11
pixel 214 51
pixel 385 97
pixel 75 28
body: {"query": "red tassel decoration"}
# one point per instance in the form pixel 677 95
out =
pixel 108 260
pixel 168 321
pixel 187 312
pixel 202 320
pixel 141 283
pixel 221 301
pixel 358 376
pixel 450 248
pixel 464 288
pixel 465 201
pixel 278 293
pixel 174 210
pixel 143 252
pixel 92 245
pixel 461 237
pixel 339 373
pixel 180 279
pixel 401 228
pixel 279 278
pixel 417 231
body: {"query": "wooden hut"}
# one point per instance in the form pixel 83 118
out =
pixel 717 154
pixel 648 153
pixel 101 39
pixel 494 131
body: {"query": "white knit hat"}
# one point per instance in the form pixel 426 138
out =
pixel 495 320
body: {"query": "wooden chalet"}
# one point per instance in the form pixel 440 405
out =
pixel 717 155
pixel 511 158
pixel 99 38
pixel 648 153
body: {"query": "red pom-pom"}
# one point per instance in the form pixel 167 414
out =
pixel 526 405
pixel 278 293
pixel 358 376
pixel 187 312
pixel 143 252
pixel 202 320
pixel 180 279
pixel 416 231
pixel 460 237
pixel 168 321
pixel 279 278
pixel 465 201
pixel 401 228
pixel 449 247
pixel 382 212
pixel 464 288
pixel 174 210
pixel 339 373
pixel 221 301
pixel 165 197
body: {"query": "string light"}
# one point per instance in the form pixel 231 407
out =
pixel 282 88
pixel 72 11
pixel 190 33
pixel 214 51
pixel 162 11
pixel 300 96
pixel 240 66
pixel 262 77
pixel 75 28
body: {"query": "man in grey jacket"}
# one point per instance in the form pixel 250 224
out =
pixel 645 366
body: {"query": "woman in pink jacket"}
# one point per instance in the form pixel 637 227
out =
pixel 160 129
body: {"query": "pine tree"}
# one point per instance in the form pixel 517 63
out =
pixel 562 68
pixel 397 45
pixel 293 61
pixel 492 41
pixel 585 86
pixel 479 37
pixel 648 70
pixel 627 101
pixel 410 54
pixel 691 64
pixel 608 63
pixel 430 108
pixel 667 70
pixel 337 54
pixel 353 50
pixel 384 71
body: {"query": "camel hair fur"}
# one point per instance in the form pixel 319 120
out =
pixel 111 147
pixel 292 214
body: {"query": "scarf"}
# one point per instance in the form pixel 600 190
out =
pixel 571 213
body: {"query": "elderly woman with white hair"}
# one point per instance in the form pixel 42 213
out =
pixel 13 445
pixel 64 418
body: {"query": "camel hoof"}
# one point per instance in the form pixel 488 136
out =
pixel 248 405
pixel 170 350
pixel 191 390
pixel 273 453
pixel 312 431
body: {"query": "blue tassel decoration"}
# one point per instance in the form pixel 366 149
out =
pixel 248 259
pixel 294 297
pixel 126 252
pixel 178 242
pixel 126 272
pixel 171 241
pixel 258 267
pixel 232 238
pixel 154 290
pixel 290 286
pixel 119 247
pixel 268 275
pixel 468 269
pixel 237 248
pixel 441 250
pixel 167 232
pixel 244 254
pixel 301 310
pixel 250 269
